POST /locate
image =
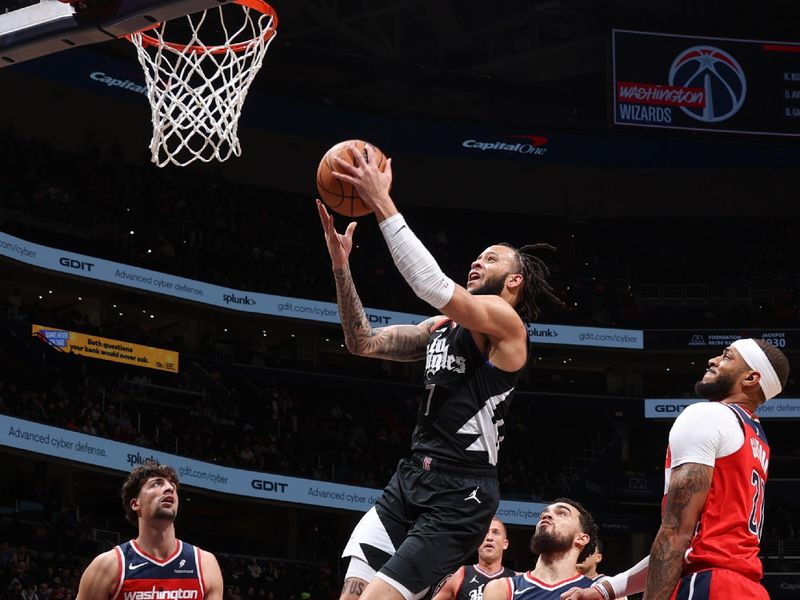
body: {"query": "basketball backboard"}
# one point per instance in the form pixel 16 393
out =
pixel 33 28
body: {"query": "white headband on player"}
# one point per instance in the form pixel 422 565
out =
pixel 755 358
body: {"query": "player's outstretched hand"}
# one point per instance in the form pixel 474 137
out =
pixel 339 245
pixel 371 183
pixel 581 594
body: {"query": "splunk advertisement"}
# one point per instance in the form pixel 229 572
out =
pixel 87 449
pixel 80 265
pixel 95 346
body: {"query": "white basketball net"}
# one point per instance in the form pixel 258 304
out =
pixel 197 91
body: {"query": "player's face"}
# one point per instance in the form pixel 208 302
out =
pixel 721 376
pixel 488 272
pixel 494 543
pixel 157 500
pixel 589 564
pixel 557 529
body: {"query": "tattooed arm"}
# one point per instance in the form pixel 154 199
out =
pixel 403 343
pixel 686 496
pixel 396 342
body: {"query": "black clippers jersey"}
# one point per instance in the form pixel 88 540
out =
pixel 475 580
pixel 462 414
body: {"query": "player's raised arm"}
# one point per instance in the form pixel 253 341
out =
pixel 500 278
pixel 403 343
pixel 101 578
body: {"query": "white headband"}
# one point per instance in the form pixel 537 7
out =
pixel 755 358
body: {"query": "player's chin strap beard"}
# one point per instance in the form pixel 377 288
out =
pixel 756 359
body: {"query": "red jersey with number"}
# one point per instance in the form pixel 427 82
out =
pixel 730 525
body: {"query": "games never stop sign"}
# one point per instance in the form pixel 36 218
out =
pixel 707 84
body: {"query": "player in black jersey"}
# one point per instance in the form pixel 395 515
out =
pixel 467 583
pixel 436 509
pixel 156 564
pixel 565 535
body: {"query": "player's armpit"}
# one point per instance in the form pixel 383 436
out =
pixel 488 314
pixel 494 317
pixel 688 488
pixel 101 577
pixel 212 576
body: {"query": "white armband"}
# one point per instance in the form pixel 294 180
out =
pixel 416 264
pixel 632 581
pixel 602 590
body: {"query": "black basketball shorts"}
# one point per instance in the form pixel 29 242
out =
pixel 428 521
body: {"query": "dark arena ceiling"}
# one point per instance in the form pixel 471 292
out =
pixel 499 62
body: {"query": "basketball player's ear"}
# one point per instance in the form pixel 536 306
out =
pixel 582 539
pixel 505 544
pixel 753 378
pixel 135 506
pixel 514 280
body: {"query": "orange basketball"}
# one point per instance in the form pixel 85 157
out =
pixel 340 196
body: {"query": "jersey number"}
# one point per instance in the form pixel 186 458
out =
pixel 430 387
pixel 756 522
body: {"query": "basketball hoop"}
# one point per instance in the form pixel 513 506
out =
pixel 197 89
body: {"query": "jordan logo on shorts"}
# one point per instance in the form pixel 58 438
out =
pixel 474 495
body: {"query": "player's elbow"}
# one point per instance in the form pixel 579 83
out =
pixel 679 537
pixel 357 347
pixel 352 346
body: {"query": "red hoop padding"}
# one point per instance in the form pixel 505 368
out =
pixel 258 5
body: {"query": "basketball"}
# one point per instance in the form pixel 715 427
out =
pixel 340 196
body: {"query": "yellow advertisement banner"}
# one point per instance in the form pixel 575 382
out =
pixel 108 349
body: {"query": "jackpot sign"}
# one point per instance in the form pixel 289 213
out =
pixel 712 84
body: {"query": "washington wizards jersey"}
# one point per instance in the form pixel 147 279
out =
pixel 462 414
pixel 527 587
pixel 729 530
pixel 474 579
pixel 144 577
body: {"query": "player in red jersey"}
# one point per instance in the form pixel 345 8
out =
pixel 716 468
pixel 156 564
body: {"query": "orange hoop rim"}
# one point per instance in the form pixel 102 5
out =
pixel 258 5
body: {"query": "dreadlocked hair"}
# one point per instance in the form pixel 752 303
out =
pixel 534 274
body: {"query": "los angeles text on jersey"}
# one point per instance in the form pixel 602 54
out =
pixel 156 594
pixel 439 358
